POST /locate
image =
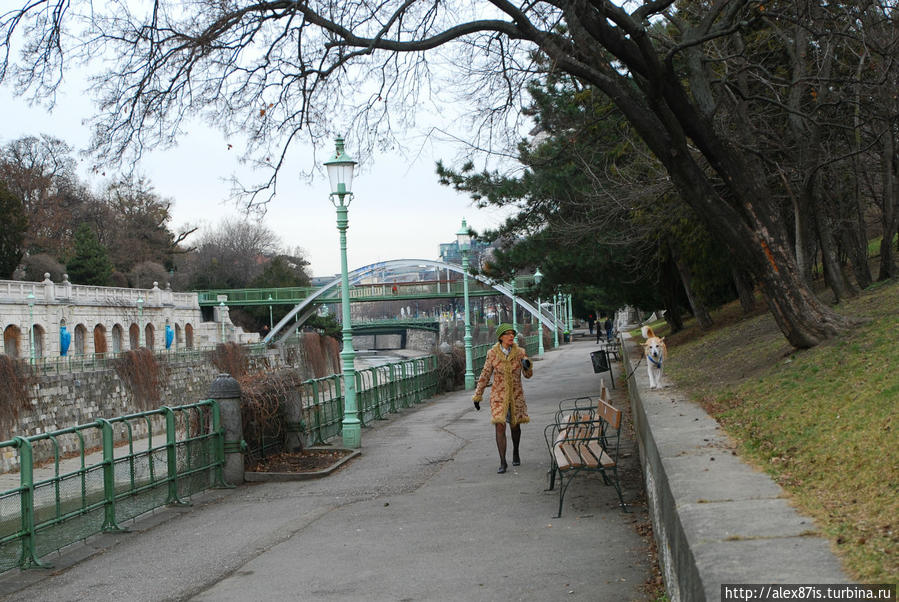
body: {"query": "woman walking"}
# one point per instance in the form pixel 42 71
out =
pixel 506 361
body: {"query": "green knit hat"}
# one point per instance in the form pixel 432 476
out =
pixel 504 328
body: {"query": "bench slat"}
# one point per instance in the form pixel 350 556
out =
pixel 600 454
pixel 574 458
pixel 561 459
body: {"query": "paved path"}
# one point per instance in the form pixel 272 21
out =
pixel 421 515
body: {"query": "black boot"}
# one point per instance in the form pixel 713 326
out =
pixel 502 468
pixel 516 461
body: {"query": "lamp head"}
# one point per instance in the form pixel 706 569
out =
pixel 340 170
pixel 463 237
pixel 538 277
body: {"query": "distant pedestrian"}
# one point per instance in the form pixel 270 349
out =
pixel 608 327
pixel 590 322
pixel 506 361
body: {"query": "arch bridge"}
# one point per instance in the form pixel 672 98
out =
pixel 306 300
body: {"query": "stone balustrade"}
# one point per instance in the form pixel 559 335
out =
pixel 105 319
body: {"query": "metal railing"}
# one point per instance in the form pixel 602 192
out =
pixel 113 470
pixel 162 457
pixel 380 390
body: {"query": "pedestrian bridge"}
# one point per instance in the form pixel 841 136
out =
pixel 307 299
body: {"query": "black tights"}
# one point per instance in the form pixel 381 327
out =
pixel 501 441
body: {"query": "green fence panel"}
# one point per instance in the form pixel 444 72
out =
pixel 106 479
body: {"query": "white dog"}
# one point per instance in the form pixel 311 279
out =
pixel 655 351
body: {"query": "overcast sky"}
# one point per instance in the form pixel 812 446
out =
pixel 399 211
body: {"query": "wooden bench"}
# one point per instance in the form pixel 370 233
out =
pixel 585 437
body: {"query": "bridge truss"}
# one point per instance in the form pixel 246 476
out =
pixel 330 293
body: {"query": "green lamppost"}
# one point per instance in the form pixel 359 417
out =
pixel 463 237
pixel 537 278
pixel 31 330
pixel 514 315
pixel 570 316
pixel 340 173
pixel 271 322
pixel 140 321
pixel 556 320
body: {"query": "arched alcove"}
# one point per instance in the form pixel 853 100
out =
pixel 79 340
pixel 12 337
pixel 100 339
pixel 117 338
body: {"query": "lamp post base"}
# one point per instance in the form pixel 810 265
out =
pixel 469 381
pixel 352 434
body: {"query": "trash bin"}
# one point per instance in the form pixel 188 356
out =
pixel 566 337
pixel 600 361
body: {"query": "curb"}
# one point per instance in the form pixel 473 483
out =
pixel 716 520
pixel 268 477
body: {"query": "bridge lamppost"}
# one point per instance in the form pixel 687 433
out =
pixel 271 322
pixel 463 237
pixel 340 173
pixel 31 330
pixel 537 278
pixel 570 316
pixel 222 318
pixel 140 322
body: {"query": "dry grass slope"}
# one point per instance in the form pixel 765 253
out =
pixel 822 422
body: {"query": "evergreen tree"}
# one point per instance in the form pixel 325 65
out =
pixel 90 264
pixel 12 234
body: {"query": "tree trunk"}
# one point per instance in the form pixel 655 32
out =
pixel 890 211
pixel 700 312
pixel 745 290
pixel 758 242
pixel 833 271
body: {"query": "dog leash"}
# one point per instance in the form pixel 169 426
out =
pixel 637 365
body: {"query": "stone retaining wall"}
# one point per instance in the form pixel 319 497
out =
pixel 716 520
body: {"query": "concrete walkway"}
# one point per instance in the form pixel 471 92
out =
pixel 420 515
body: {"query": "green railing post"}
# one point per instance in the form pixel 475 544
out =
pixel 109 494
pixel 317 414
pixel 171 453
pixel 361 397
pixel 376 391
pixel 28 557
pixel 391 387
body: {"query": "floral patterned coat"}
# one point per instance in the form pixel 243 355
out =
pixel 506 391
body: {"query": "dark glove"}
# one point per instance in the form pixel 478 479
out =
pixel 477 406
pixel 526 364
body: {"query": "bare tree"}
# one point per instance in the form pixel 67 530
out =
pixel 231 255
pixel 41 171
pixel 279 69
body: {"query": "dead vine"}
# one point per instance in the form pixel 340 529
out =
pixel 263 396
pixel 17 378
pixel 450 369
pixel 231 358
pixel 142 374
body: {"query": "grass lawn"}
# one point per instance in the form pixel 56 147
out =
pixel 823 422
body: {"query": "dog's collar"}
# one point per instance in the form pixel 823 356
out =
pixel 656 362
